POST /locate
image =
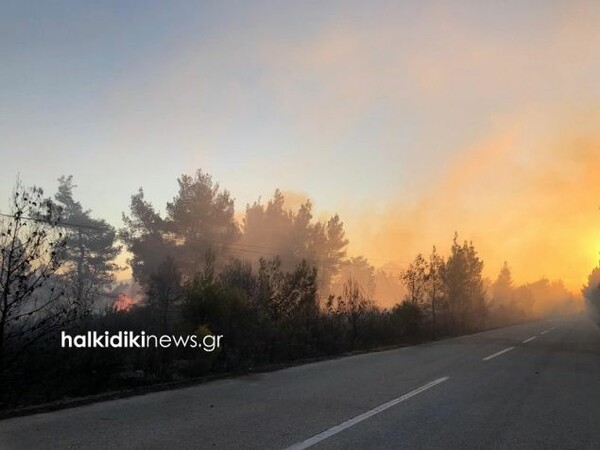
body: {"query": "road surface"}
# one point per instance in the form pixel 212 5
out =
pixel 533 385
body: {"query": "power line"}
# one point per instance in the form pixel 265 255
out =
pixel 82 248
pixel 60 224
pixel 250 248
pixel 243 248
pixel 232 246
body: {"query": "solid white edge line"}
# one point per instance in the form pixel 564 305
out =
pixel 364 416
pixel 508 349
pixel 529 340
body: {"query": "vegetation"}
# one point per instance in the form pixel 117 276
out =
pixel 591 293
pixel 278 286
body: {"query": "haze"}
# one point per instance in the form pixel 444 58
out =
pixel 410 120
pixel 299 224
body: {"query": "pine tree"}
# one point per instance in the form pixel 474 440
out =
pixel 90 252
pixel 463 286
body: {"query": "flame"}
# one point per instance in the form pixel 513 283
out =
pixel 123 303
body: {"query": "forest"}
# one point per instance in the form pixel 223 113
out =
pixel 278 285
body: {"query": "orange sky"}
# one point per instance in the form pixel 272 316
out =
pixel 528 194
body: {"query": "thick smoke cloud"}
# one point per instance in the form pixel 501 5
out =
pixel 520 197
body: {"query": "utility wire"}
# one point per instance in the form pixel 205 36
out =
pixel 232 246
pixel 60 224
pixel 243 248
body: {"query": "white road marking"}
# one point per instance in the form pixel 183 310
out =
pixel 529 340
pixel 544 332
pixel 364 416
pixel 487 358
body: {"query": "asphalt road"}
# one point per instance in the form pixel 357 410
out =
pixel 533 385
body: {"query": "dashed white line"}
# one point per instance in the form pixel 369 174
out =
pixel 529 340
pixel 544 332
pixel 487 358
pixel 364 416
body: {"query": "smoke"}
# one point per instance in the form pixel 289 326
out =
pixel 509 154
pixel 527 194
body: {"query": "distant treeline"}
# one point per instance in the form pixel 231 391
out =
pixel 279 287
pixel 591 293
